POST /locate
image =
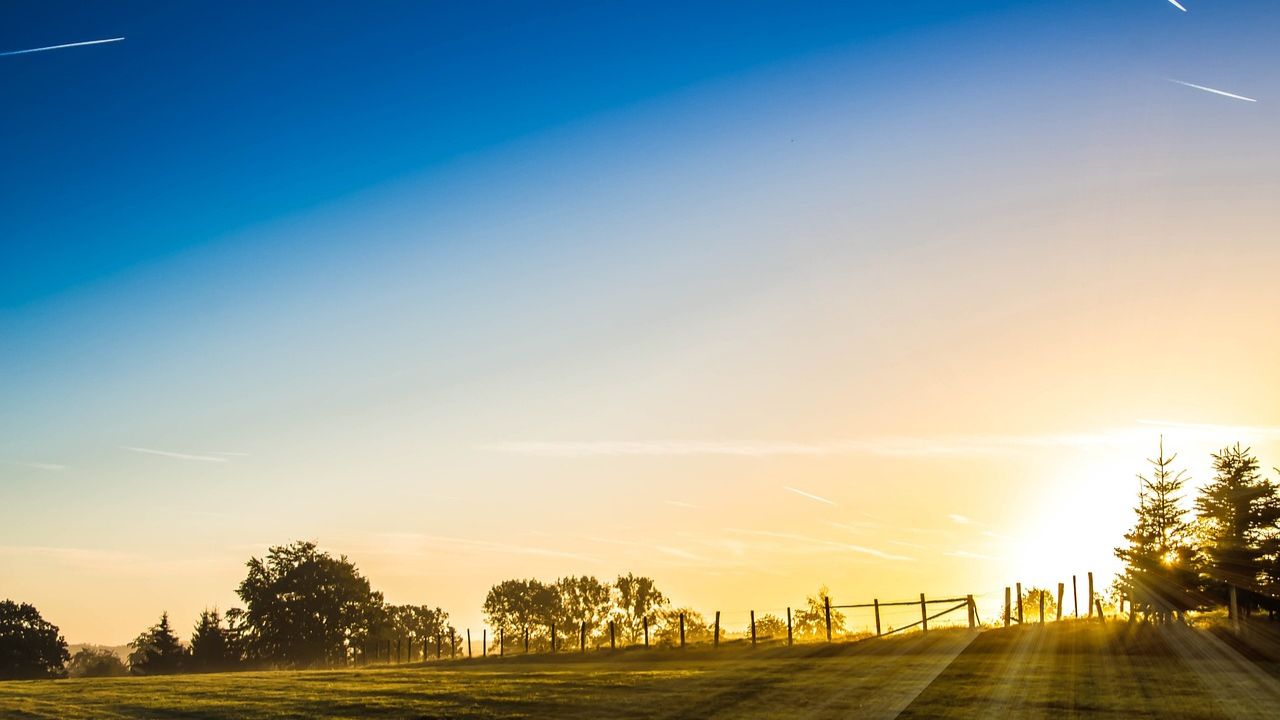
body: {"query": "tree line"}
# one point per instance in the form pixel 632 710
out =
pixel 302 607
pixel 1178 560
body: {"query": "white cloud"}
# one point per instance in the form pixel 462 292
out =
pixel 811 496
pixel 178 455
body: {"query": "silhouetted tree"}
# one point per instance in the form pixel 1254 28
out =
pixel 1159 558
pixel 520 606
pixel 212 648
pixel 634 599
pixel 420 623
pixel 30 646
pixel 157 650
pixel 91 662
pixel 582 599
pixel 770 626
pixel 305 608
pixel 696 627
pixel 1238 511
pixel 811 620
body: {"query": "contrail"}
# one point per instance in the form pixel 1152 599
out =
pixel 59 47
pixel 1178 5
pixel 811 496
pixel 1215 92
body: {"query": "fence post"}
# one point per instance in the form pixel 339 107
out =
pixel 1090 605
pixel 553 637
pixel 468 642
pixel 612 644
pixel 453 644
pixel 484 642
pixel 973 611
pixel 397 651
pixel 502 642
pixel 1060 589
pixel 876 604
pixel 1101 617
pixel 1132 617
pixel 1233 611
pixel 582 637
pixel 646 631
pixel 409 653
pixel 1042 592
pixel 789 637
pixel 439 646
pixel 826 603
pixel 681 629
pixel 924 615
pixel 715 639
pixel 1019 601
pixel 1008 609
pixel 753 628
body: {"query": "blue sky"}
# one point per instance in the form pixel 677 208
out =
pixel 400 273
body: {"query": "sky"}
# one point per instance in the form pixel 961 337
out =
pixel 748 297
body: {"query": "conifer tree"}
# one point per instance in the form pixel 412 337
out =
pixel 157 651
pixel 1238 512
pixel 1159 559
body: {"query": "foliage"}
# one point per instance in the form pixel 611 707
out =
pixel 520 607
pixel 1159 556
pixel 157 651
pixel 305 608
pixel 583 600
pixel 635 598
pixel 1238 511
pixel 1031 604
pixel 811 621
pixel 697 629
pixel 214 648
pixel 91 662
pixel 30 646
pixel 770 626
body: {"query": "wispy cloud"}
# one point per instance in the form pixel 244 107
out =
pixel 811 496
pixel 819 542
pixel 1223 93
pixel 470 543
pixel 960 519
pixel 180 456
pixel 895 446
pixel 51 467
pixel 1177 4
pixel 60 47
pixel 681 504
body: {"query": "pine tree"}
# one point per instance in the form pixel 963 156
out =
pixel 1159 559
pixel 211 649
pixel 157 650
pixel 1238 511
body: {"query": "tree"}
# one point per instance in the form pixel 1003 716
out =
pixel 91 662
pixel 1031 604
pixel 212 647
pixel 420 624
pixel 517 607
pixel 1159 558
pixel 30 646
pixel 811 620
pixel 770 626
pixel 635 598
pixel 305 608
pixel 582 600
pixel 1238 511
pixel 157 651
pixel 696 627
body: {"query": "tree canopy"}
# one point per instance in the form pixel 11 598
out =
pixel 30 646
pixel 306 608
pixel 157 651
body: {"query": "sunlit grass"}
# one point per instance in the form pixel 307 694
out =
pixel 1072 668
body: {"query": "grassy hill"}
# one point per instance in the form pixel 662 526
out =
pixel 1062 669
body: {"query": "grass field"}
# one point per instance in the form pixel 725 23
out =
pixel 1067 669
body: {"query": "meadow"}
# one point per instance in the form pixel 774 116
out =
pixel 1069 669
